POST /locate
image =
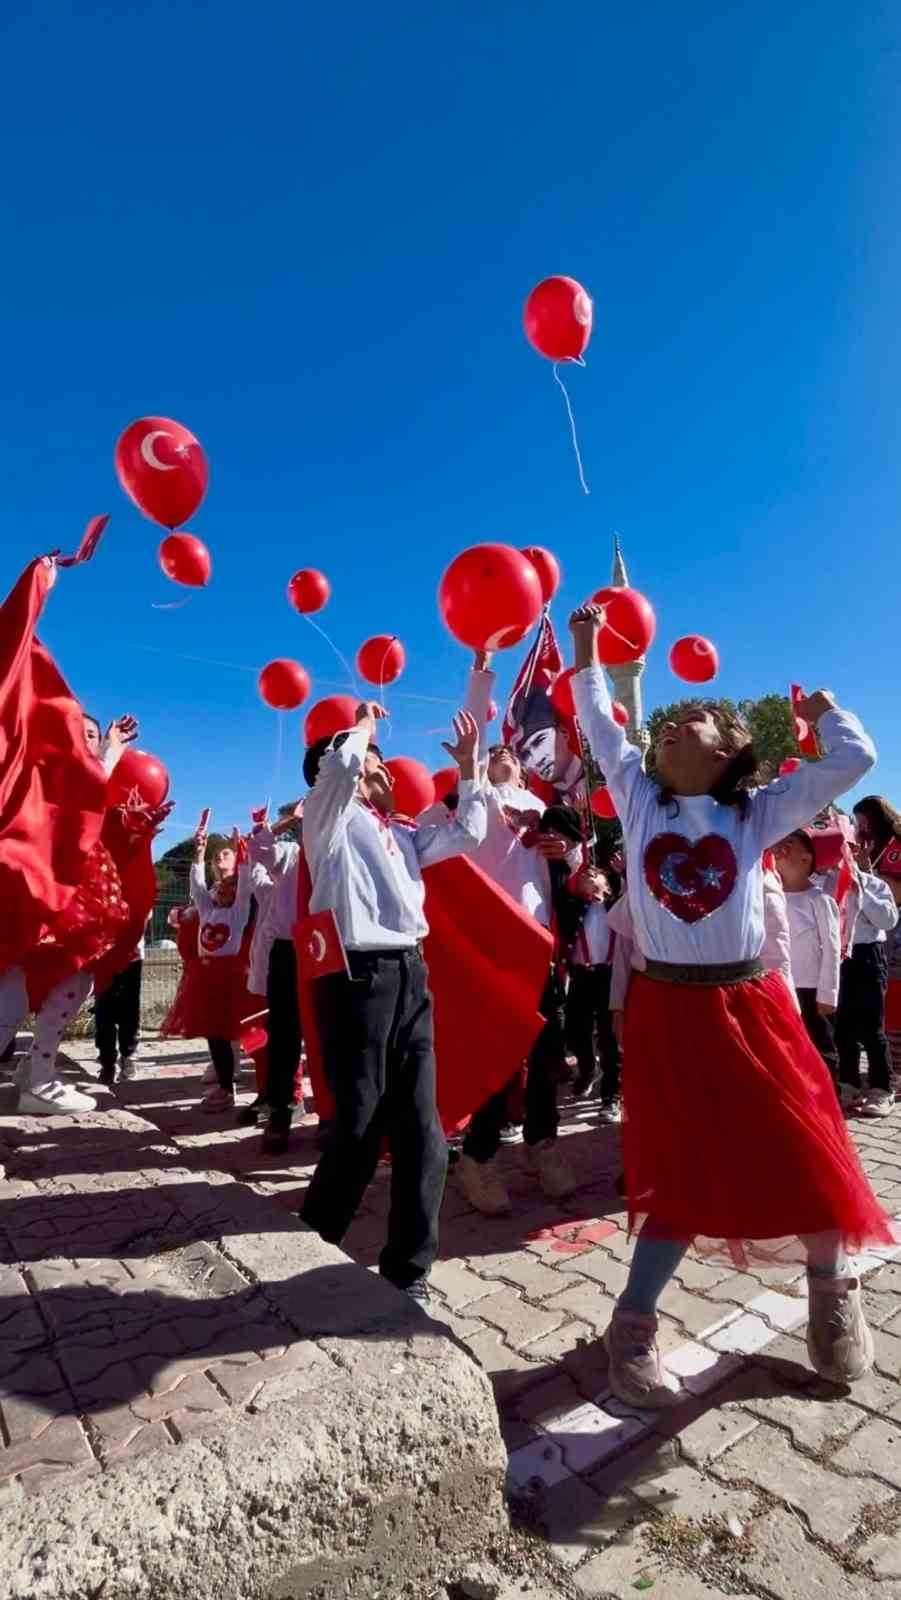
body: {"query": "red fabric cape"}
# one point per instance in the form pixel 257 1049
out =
pixel 488 965
pixel 52 791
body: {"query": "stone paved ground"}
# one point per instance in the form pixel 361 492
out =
pixel 764 1481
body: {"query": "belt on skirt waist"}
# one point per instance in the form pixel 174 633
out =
pixel 708 976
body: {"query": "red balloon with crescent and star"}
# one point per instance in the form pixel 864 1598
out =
pixel 162 468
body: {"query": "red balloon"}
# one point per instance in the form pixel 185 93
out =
pixel 620 714
pixel 185 559
pixel 548 568
pixel 136 769
pixel 602 804
pixel 693 659
pixel 329 716
pixel 414 786
pixel 381 659
pixel 629 628
pixel 490 596
pixel 162 468
pixel 445 781
pixel 789 765
pixel 284 684
pixel 491 713
pixel 557 318
pixel 308 591
pixel 562 693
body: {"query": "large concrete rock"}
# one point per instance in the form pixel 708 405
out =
pixel 371 1458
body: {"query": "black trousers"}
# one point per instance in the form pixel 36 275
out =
pixel 223 1056
pixel 860 1019
pixel 820 1030
pixel 587 1021
pixel 541 1120
pixel 285 1031
pixel 378 1043
pixel 117 1016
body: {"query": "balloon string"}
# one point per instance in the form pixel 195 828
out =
pixel 279 742
pixel 332 646
pixel 620 636
pixel 572 427
pixel 171 605
pixel 241 666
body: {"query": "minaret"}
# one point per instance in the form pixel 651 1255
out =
pixel 627 679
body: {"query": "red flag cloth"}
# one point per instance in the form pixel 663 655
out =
pixel 52 790
pixel 804 733
pixel 544 740
pixel 488 965
pixel 319 948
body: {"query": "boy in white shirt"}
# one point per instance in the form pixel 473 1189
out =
pixel 816 942
pixel 588 1021
pixel 375 1022
pixel 860 1019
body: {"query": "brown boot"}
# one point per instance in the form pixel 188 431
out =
pixel 483 1187
pixel 636 1375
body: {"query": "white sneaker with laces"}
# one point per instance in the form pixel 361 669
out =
pixel 877 1103
pixel 127 1069
pixel 53 1099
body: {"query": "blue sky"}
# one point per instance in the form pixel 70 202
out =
pixel 307 232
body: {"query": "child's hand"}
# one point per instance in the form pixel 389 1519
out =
pixel 585 624
pixel 824 1009
pixel 199 847
pixel 815 706
pixel 371 710
pixel 466 750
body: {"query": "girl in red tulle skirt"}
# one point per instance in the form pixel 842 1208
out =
pixel 212 1000
pixel 733 1137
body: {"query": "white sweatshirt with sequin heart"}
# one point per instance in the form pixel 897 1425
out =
pixel 695 867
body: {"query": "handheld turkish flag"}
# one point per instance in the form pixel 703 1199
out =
pixel 320 952
pixel 889 863
pixel 804 733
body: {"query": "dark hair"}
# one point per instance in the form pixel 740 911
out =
pixel 496 749
pixel 884 821
pixel 312 761
pixel 564 820
pixel 805 839
pixel 741 773
pixel 88 718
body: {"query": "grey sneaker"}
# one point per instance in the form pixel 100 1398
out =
pixel 877 1103
pixel 636 1375
pixel 127 1069
pixel 839 1343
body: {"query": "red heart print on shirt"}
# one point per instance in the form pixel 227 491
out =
pixel 690 880
pixel 213 935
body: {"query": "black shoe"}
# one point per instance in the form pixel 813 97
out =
pixel 249 1115
pixel 107 1075
pixel 277 1135
pixel 418 1291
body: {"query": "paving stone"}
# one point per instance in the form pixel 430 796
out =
pixel 589 1435
pixel 888 1353
pixel 556 1347
pixel 534 1279
pixel 883 1553
pixel 242 1381
pixel 577 1520
pixel 683 1491
pixel 700 1368
pixel 788 1566
pixel 742 1336
pixel 616 1572
pixel 520 1322
pixel 737 1289
pixel 540 1462
pixel 58 1447
pixel 546 1400
pixel 700 1275
pixel 706 1428
pixel 602 1267
pixel 458 1285
pixel 783 1312
pixel 831 1504
pixel 811 1422
pixel 586 1301
pixel 876 1448
pixel 694 1314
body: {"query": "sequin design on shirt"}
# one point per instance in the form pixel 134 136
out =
pixel 213 935
pixel 690 880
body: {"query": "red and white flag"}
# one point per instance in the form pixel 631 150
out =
pixel 545 742
pixel 804 733
pixel 320 951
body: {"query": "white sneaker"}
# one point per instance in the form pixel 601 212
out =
pixel 611 1111
pixel 53 1099
pixel 877 1103
pixel 127 1069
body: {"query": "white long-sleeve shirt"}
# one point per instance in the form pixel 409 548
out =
pixel 221 928
pixel 871 911
pixel 696 878
pixel 591 946
pixel 279 858
pixel 367 870
pixel 775 952
pixel 513 815
pixel 816 941
pixel 626 954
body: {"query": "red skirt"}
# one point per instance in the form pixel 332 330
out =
pixel 211 1001
pixel 893 1006
pixel 733 1136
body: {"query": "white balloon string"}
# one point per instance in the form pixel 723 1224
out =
pixel 342 660
pixel 241 666
pixel 279 743
pixel 572 427
pixel 171 605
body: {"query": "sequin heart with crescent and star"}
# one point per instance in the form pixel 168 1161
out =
pixel 690 880
pixel 213 935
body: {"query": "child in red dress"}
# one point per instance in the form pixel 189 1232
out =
pixel 732 1129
